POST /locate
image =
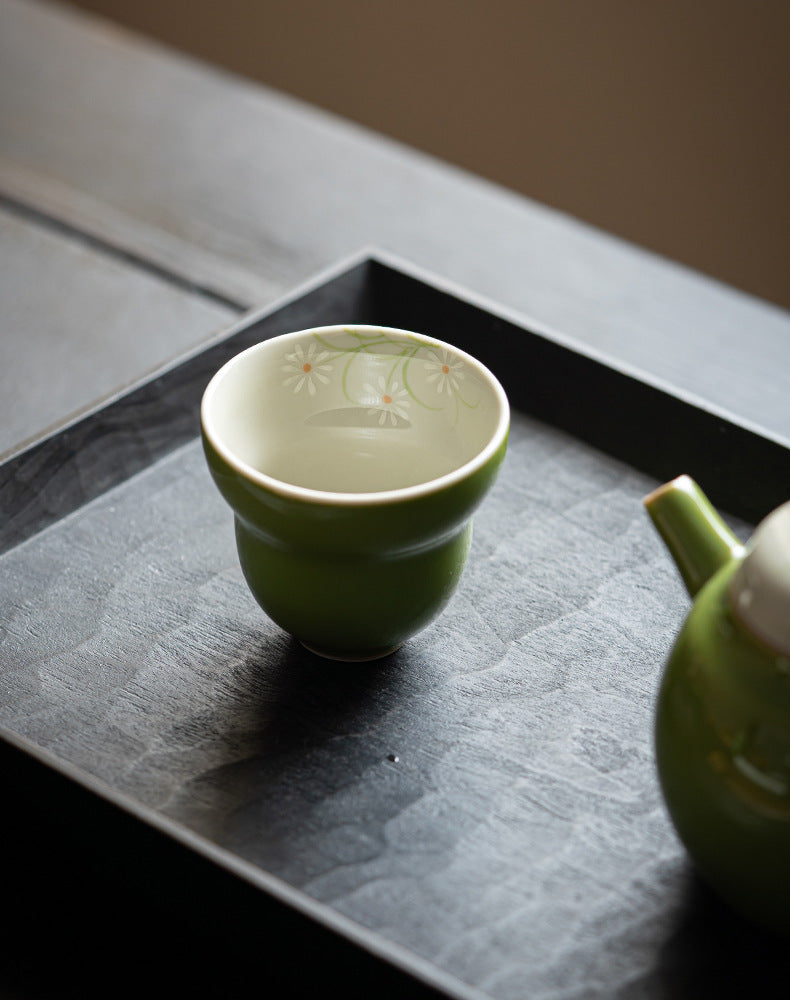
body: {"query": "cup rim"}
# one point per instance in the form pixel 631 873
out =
pixel 365 499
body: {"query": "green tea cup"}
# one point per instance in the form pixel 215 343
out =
pixel 353 458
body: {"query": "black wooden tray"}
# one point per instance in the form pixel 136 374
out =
pixel 475 816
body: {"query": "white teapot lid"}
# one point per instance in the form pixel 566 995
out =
pixel 760 588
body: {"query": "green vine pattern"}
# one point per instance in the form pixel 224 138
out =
pixel 314 367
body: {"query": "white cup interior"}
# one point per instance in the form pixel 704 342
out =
pixel 354 410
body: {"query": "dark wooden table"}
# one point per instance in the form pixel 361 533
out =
pixel 147 202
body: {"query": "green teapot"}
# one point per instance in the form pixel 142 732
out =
pixel 722 724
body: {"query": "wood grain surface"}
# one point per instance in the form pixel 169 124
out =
pixel 485 798
pixel 480 809
pixel 78 324
pixel 517 845
pixel 261 185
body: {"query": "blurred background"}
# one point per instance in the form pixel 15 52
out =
pixel 661 121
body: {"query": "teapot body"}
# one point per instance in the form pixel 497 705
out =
pixel 722 738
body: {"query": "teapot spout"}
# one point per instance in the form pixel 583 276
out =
pixel 696 536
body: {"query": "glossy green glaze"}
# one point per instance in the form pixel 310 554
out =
pixel 722 735
pixel 353 458
pixel 352 583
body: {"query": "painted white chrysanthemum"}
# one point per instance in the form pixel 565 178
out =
pixel 387 401
pixel 444 372
pixel 305 368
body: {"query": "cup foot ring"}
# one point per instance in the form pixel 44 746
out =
pixel 365 658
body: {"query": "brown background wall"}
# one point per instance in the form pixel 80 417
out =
pixel 662 121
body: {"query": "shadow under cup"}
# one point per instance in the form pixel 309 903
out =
pixel 353 458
